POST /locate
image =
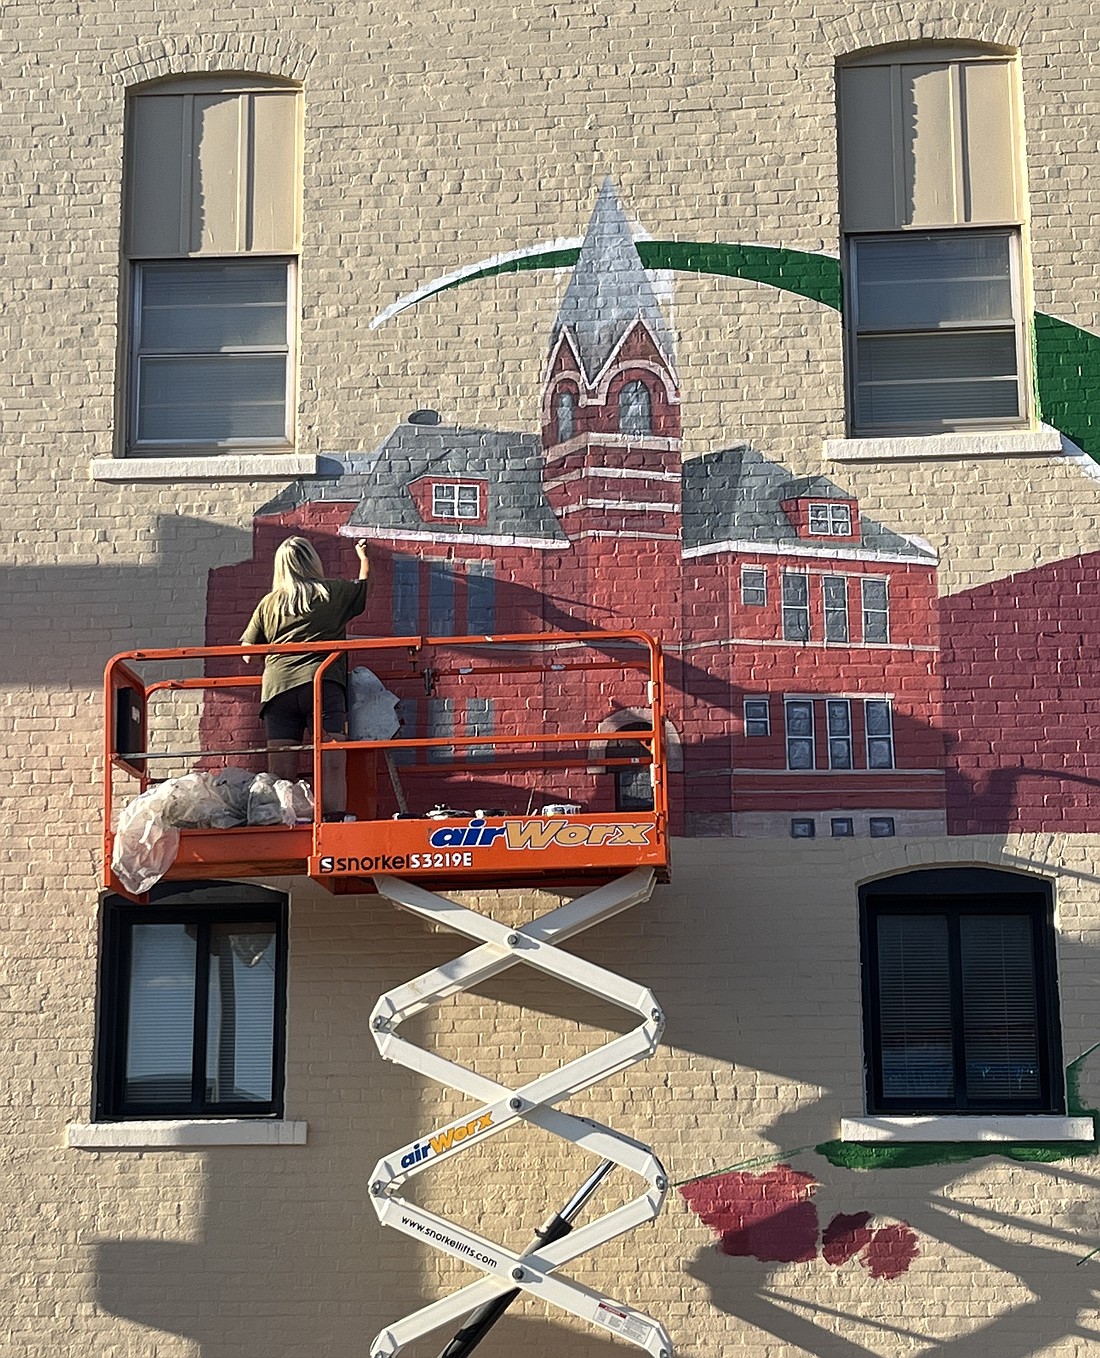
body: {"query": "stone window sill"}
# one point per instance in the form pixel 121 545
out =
pixel 186 1134
pixel 1032 1128
pixel 1002 443
pixel 245 467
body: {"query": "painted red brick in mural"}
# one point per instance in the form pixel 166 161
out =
pixel 1020 687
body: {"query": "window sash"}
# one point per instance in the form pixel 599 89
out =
pixel 830 520
pixel 220 377
pixel 754 585
pixel 798 715
pixel 796 606
pixel 933 346
pixel 875 604
pixel 834 589
pixel 959 1004
pixel 838 724
pixel 878 721
pixel 462 501
pixel 757 717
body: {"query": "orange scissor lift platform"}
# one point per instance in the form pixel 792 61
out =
pixel 519 723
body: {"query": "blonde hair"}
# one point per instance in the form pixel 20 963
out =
pixel 298 580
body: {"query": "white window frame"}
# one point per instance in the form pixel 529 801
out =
pixel 452 490
pixel 746 587
pixel 887 739
pixel 788 703
pixel 830 612
pixel 837 515
pixel 865 611
pixel 135 446
pixel 758 719
pixel 796 608
pixel 843 707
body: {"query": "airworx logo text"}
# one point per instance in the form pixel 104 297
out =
pixel 445 1140
pixel 539 834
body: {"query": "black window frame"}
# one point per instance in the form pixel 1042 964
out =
pixel 203 904
pixel 955 893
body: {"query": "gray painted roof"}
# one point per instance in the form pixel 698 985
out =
pixel 735 494
pixel 510 463
pixel 609 290
pixel 730 495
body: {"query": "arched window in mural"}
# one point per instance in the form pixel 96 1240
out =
pixel 633 785
pixel 635 409
pixel 565 415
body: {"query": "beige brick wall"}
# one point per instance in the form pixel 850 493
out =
pixel 437 135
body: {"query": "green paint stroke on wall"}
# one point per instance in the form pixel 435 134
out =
pixel 1067 359
pixel 912 1154
pixel 813 276
pixel 1067 375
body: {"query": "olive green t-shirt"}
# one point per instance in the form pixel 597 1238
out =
pixel 325 621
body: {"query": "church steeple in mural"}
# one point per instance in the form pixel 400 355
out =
pixel 611 402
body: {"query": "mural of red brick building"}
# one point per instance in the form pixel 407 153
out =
pixel 800 634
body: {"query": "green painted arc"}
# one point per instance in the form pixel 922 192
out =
pixel 798 271
pixel 1067 358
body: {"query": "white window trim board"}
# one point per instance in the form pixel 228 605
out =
pixel 184 1134
pixel 918 448
pixel 961 1127
pixel 229 467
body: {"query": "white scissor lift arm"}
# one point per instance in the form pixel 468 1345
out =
pixel 500 948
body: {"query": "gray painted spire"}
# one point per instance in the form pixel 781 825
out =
pixel 609 290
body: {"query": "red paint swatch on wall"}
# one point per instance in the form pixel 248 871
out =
pixel 764 1216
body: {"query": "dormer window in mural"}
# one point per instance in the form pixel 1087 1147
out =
pixel 449 499
pixel 816 508
pixel 635 409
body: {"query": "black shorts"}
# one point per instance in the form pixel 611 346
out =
pixel 287 715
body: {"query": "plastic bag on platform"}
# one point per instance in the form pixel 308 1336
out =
pixel 277 801
pixel 372 708
pixel 145 844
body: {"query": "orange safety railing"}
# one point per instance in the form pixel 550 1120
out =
pixel 556 700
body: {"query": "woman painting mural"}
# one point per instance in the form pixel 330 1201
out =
pixel 304 606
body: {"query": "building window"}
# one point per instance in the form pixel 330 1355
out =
pixel 842 827
pixel 192 1003
pixel 876 611
pixel 211 354
pixel 213 190
pixel 936 331
pixel 803 827
pixel 796 606
pixel 799 718
pixel 835 591
pixel 879 722
pixel 461 500
pixel 565 413
pixel 758 717
pixel 754 585
pixel 838 719
pixel 831 520
pixel 635 409
pixel 960 1006
pixel 931 208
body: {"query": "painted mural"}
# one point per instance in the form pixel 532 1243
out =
pixel 801 635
